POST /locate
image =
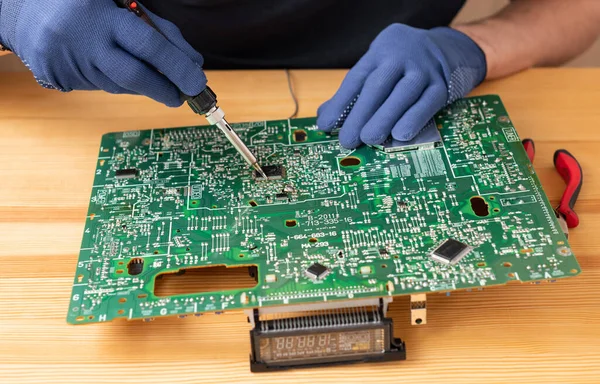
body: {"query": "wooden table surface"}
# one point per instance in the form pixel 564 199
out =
pixel 547 333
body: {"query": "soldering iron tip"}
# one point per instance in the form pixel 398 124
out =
pixel 260 171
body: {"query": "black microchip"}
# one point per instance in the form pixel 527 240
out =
pixel 317 271
pixel 135 266
pixel 450 251
pixel 300 136
pixel 383 252
pixel 273 172
pixel 128 173
pixel 281 196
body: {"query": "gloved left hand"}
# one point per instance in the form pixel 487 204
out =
pixel 406 76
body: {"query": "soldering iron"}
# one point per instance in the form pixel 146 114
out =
pixel 205 103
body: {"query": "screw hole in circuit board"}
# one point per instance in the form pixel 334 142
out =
pixel 351 161
pixel 479 206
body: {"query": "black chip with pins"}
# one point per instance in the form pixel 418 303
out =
pixel 135 266
pixel 317 271
pixel 451 251
pixel 129 173
pixel 273 172
pixel 300 136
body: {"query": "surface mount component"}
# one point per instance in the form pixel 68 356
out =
pixel 273 172
pixel 317 271
pixel 126 173
pixel 281 196
pixel 428 138
pixel 451 251
pixel 464 213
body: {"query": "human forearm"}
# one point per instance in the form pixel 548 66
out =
pixel 531 33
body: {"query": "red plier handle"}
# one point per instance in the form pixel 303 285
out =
pixel 570 170
pixel 529 146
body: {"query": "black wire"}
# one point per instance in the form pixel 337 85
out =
pixel 291 88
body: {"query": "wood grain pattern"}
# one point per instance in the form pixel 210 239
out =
pixel 546 333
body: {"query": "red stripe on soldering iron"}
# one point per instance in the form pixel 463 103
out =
pixel 569 169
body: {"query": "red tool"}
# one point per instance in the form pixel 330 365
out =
pixel 569 169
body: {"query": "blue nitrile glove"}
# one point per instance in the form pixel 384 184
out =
pixel 406 76
pixel 93 44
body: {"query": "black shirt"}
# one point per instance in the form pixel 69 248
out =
pixel 294 33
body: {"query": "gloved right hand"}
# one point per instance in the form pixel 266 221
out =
pixel 93 44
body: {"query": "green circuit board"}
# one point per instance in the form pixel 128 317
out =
pixel 332 224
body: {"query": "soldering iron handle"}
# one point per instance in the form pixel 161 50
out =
pixel 203 102
pixel 136 8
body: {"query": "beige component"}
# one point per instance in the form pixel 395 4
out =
pixel 270 278
pixel 418 309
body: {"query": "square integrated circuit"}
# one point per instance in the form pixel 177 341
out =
pixel 317 271
pixel 273 172
pixel 451 251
